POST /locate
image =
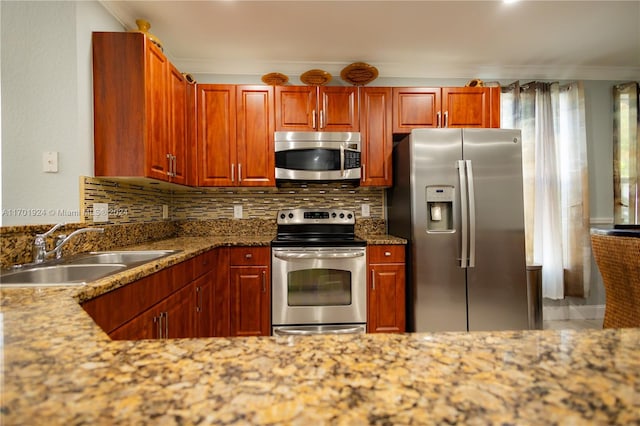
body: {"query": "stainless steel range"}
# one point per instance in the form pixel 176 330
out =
pixel 318 273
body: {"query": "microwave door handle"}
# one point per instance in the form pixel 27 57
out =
pixel 316 255
pixel 342 160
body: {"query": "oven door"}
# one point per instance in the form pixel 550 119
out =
pixel 318 285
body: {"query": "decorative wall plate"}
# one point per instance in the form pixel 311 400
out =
pixel 315 78
pixel 359 73
pixel 275 79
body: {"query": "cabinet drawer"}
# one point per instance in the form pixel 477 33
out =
pixel 246 256
pixel 386 254
pixel 203 263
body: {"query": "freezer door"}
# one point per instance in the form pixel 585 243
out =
pixel 437 282
pixel 496 283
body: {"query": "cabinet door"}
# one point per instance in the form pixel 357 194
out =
pixel 415 107
pixel 216 154
pixel 156 124
pixel 466 107
pixel 386 298
pixel 171 318
pixel 254 137
pixel 296 108
pixel 249 287
pixel 377 137
pixel 338 109
pixel 177 141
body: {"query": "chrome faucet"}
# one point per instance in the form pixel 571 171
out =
pixel 64 239
pixel 40 244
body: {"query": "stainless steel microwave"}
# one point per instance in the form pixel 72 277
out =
pixel 317 157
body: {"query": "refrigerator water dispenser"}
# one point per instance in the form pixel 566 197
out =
pixel 439 208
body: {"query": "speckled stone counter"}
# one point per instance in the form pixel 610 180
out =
pixel 59 368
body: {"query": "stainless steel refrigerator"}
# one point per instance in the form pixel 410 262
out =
pixel 457 199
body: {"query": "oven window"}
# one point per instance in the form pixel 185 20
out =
pixel 319 287
pixel 314 159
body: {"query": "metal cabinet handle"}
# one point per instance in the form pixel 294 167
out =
pixel 373 279
pixel 438 119
pixel 166 325
pixel 239 172
pixel 158 321
pixel 313 119
pixel 387 253
pixel 198 299
pixel 169 160
pixel 233 172
pixel 364 172
pixel 248 256
pixel 322 124
pixel 446 119
pixel 264 281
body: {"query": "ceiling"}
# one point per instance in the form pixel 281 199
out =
pixel 402 39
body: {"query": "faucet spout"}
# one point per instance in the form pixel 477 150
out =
pixel 64 239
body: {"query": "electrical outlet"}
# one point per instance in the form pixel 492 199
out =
pixel 100 212
pixel 365 211
pixel 165 211
pixel 237 211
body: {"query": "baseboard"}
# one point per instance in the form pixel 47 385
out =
pixel 572 312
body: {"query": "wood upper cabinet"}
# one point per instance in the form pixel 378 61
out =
pixel 377 136
pixel 386 289
pixel 235 135
pixel 250 289
pixel 317 108
pixel 425 107
pixel 137 93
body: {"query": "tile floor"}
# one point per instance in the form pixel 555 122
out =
pixel 572 324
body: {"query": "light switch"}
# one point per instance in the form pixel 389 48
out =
pixel 365 210
pixel 50 162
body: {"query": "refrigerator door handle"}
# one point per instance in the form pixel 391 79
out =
pixel 464 213
pixel 472 216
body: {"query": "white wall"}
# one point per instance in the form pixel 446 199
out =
pixel 46 105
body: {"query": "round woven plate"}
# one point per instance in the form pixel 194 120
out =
pixel 315 78
pixel 275 79
pixel 359 73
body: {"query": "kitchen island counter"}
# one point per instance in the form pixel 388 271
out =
pixel 59 367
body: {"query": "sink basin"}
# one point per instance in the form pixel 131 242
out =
pixel 56 275
pixel 128 257
pixel 80 269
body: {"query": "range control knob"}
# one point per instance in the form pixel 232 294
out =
pixel 333 214
pixel 290 215
pixel 349 216
pixel 341 215
pixel 282 216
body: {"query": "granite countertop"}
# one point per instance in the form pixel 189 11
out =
pixel 59 368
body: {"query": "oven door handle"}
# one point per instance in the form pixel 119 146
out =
pixel 317 255
pixel 293 331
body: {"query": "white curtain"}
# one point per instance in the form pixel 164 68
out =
pixel 552 119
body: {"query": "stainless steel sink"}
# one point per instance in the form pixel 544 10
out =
pixel 79 269
pixel 56 275
pixel 127 257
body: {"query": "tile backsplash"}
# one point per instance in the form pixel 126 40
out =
pixel 140 200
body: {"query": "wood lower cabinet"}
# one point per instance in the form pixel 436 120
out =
pixel 429 107
pixel 317 109
pixel 171 318
pixel 223 292
pixel 250 289
pixel 386 289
